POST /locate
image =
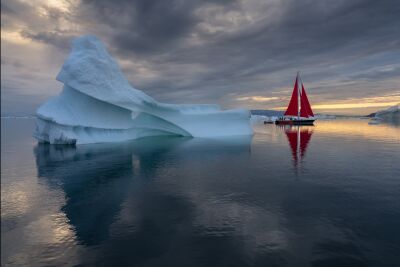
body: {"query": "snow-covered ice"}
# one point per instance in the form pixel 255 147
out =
pixel 98 104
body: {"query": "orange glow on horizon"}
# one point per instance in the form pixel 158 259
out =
pixel 359 128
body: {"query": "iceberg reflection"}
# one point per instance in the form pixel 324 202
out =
pixel 98 178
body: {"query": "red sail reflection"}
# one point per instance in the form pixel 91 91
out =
pixel 299 138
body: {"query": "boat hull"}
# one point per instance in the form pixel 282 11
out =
pixel 295 122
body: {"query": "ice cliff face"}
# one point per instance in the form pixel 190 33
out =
pixel 98 104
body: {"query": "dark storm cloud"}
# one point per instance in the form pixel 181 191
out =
pixel 146 26
pixel 303 27
pixel 59 39
pixel 377 74
pixel 303 34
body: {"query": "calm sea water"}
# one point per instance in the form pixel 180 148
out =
pixel 327 195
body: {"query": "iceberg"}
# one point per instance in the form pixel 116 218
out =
pixel 97 104
pixel 391 114
pixel 258 119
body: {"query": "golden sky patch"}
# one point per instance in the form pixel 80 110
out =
pixel 14 37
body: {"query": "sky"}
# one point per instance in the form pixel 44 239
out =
pixel 239 53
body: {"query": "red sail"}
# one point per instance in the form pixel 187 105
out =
pixel 293 104
pixel 305 110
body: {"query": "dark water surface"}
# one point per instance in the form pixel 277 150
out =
pixel 329 199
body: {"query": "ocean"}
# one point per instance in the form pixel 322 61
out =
pixel 327 195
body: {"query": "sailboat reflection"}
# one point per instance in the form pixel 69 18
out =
pixel 299 137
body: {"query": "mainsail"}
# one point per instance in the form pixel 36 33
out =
pixel 293 107
pixel 305 110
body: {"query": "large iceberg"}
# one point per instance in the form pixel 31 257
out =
pixel 98 104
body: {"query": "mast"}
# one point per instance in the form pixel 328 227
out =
pixel 298 97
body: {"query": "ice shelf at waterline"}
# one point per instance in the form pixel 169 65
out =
pixel 98 104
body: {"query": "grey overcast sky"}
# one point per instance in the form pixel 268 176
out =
pixel 240 53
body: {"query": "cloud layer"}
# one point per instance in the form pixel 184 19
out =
pixel 235 53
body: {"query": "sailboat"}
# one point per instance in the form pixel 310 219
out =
pixel 299 110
